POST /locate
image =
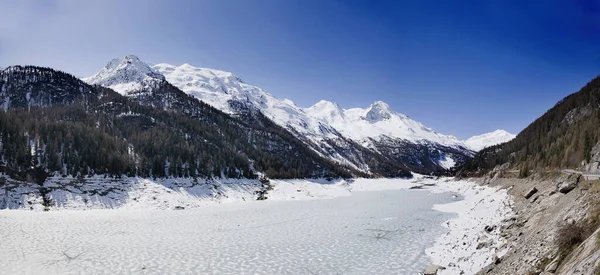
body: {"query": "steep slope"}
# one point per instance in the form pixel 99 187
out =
pixel 378 120
pixel 353 146
pixel 476 143
pixel 229 93
pixel 33 84
pixel 358 145
pixel 561 138
pixel 65 126
pixel 394 135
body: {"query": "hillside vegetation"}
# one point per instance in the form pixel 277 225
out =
pixel 53 123
pixel 561 138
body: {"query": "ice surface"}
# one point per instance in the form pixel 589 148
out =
pixel 368 232
pixel 375 226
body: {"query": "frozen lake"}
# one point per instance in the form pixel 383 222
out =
pixel 377 232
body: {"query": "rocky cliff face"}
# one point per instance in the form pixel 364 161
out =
pixel 543 208
pixel 594 164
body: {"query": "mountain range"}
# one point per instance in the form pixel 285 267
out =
pixel 343 136
pixel 184 121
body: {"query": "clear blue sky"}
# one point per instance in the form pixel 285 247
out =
pixel 460 67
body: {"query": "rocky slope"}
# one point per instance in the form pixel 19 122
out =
pixel 534 232
pixel 551 168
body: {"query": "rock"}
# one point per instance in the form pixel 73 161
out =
pixel 432 269
pixel 485 244
pixel 569 184
pixel 179 207
pixel 552 193
pixel 534 199
pixel 496 260
pixel 489 228
pixel 530 193
pixel 552 266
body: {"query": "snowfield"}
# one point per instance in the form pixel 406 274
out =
pixel 376 226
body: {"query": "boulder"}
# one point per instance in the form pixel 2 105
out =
pixel 496 260
pixel 552 266
pixel 530 193
pixel 569 184
pixel 483 244
pixel 432 269
pixel 534 199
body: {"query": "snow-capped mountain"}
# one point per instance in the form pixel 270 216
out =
pixel 393 135
pixel 126 75
pixel 219 89
pixel 378 120
pixel 364 139
pixel 225 91
pixel 477 143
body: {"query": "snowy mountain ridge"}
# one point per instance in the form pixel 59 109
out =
pixel 341 135
pixel 479 142
pixel 378 120
pixel 126 75
pixel 220 88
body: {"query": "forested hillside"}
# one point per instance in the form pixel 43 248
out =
pixel 562 137
pixel 52 123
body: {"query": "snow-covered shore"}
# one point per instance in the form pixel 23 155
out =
pixel 474 238
pixel 471 242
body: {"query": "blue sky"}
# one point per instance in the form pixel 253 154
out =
pixel 460 67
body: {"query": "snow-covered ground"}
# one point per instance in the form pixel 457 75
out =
pixel 474 236
pixel 364 226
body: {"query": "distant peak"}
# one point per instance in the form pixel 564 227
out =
pixel 189 70
pixel 325 104
pixel 378 111
pixel 187 65
pixel 131 57
pixel 488 139
pixel 380 104
pixel 326 110
pixel 126 75
pixel 500 132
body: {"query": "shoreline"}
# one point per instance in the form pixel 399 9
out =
pixel 474 239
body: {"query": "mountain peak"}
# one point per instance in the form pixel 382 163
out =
pixel 378 111
pixel 326 110
pixel 126 75
pixel 479 142
pixel 325 104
